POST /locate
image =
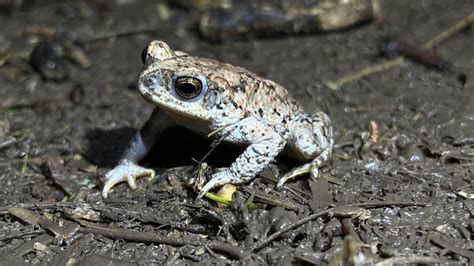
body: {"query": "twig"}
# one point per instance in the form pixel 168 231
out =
pixel 389 204
pixel 335 85
pixel 443 36
pixel 233 251
pixel 31 218
pixel 29 246
pixel 216 142
pixel 118 233
pixel 17 235
pixel 8 143
pixel 304 196
pixel 272 200
pixel 140 216
pixel 348 229
pixel 260 245
pixel 217 257
pixel 451 247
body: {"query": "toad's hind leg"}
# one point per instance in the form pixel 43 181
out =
pixel 311 138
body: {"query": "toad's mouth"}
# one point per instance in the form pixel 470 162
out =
pixel 176 108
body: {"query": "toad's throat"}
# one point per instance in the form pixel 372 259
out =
pixel 195 121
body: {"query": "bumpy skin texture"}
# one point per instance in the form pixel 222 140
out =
pixel 237 105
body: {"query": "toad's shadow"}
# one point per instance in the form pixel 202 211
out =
pixel 177 146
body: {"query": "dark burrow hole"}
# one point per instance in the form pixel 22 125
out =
pixel 177 146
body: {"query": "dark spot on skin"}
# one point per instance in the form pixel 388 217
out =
pixel 237 88
pixel 255 151
pixel 247 158
pixel 147 94
pixel 275 111
pixel 271 87
pixel 243 81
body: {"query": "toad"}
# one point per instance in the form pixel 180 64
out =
pixel 231 103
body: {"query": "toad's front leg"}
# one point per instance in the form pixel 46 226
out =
pixel 128 169
pixel 265 145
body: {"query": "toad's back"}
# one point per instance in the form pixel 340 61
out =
pixel 236 93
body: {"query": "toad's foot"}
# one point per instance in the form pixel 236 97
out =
pixel 219 179
pixel 125 171
pixel 297 171
pixel 311 168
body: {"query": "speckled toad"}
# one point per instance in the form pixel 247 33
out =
pixel 242 108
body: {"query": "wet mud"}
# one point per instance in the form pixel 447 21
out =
pixel 398 191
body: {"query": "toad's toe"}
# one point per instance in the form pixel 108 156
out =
pixel 218 179
pixel 301 170
pixel 125 171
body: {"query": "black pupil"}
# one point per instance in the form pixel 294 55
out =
pixel 187 88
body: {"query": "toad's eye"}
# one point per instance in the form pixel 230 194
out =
pixel 188 88
pixel 144 54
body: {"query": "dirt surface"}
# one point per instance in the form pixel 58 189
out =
pixel 405 198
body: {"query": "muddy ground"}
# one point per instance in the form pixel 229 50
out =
pixel 406 198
